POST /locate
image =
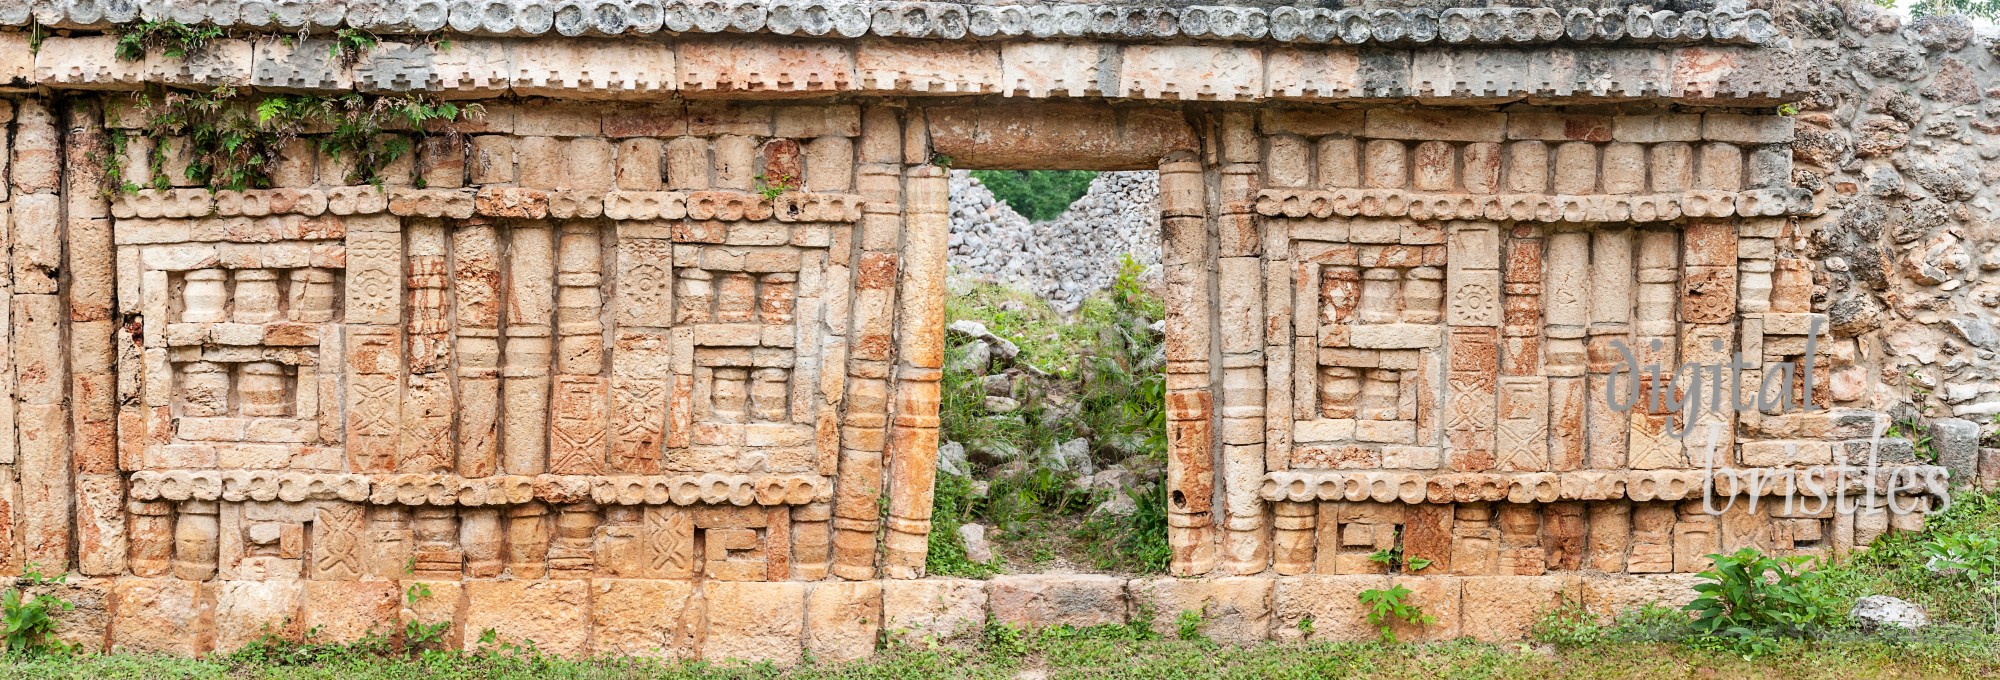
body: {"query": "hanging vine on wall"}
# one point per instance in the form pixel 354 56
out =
pixel 233 143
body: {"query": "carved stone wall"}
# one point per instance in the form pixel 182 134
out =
pixel 648 359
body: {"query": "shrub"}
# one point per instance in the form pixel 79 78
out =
pixel 30 618
pixel 1750 594
pixel 1038 195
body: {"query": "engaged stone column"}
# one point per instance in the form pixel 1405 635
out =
pixel 41 356
pixel 525 362
pixel 1190 403
pixel 858 484
pixel 100 491
pixel 913 446
pixel 1240 316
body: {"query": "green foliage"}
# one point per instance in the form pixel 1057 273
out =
pixel 30 618
pixel 234 143
pixel 173 39
pixel 1038 195
pixel 773 187
pixel 952 506
pixel 1750 595
pixel 1387 607
pixel 418 635
pixel 1394 559
pixel 1977 9
pixel 1135 542
pixel 1188 624
pixel 1919 436
pixel 1567 625
pixel 350 44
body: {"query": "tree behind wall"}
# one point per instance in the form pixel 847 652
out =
pixel 1038 195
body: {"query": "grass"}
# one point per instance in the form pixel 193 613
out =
pixel 1101 652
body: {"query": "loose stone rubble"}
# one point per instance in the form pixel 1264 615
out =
pixel 593 382
pixel 1065 259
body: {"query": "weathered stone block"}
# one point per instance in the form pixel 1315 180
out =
pixel 643 618
pixel 1232 609
pixel 751 621
pixel 1036 601
pixel 932 609
pixel 1503 608
pixel 842 619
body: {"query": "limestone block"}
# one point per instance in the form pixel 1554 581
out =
pixel 1041 69
pixel 752 66
pixel 555 614
pixel 842 619
pixel 162 616
pixel 1608 595
pixel 1233 609
pixel 643 618
pixel 1191 72
pixel 751 621
pixel 442 605
pixel 928 68
pixel 346 611
pixel 87 624
pixel 1503 608
pixel 1332 602
pixel 1038 601
pixel 626 68
pixel 246 611
pixel 1450 126
pixel 932 609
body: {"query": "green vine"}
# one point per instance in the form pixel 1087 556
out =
pixel 172 38
pixel 234 143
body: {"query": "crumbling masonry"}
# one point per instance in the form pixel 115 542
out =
pixel 584 376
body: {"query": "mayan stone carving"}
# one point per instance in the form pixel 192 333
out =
pixel 646 356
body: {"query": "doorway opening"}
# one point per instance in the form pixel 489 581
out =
pixel 1052 452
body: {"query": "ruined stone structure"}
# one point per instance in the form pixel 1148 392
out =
pixel 581 375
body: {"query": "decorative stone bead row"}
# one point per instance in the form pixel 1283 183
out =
pixel 941 20
pixel 1299 203
pixel 1636 485
pixel 179 203
pixel 514 202
pixel 418 489
pixel 599 69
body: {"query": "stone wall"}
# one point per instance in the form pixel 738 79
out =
pixel 1897 139
pixel 586 375
pixel 1064 259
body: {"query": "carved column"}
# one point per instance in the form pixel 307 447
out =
pixel 1611 277
pixel 641 360
pixel 475 280
pixel 428 403
pixel 525 364
pixel 578 410
pixel 1473 312
pixel 858 487
pixel 43 462
pixel 1240 316
pixel 920 346
pixel 1568 317
pixel 1190 402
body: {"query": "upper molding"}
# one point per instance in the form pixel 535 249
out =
pixel 941 20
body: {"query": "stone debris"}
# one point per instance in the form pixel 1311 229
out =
pixel 1065 259
pixel 1881 612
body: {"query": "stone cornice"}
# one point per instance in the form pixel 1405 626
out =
pixel 940 20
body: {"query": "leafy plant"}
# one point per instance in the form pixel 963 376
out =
pixel 1394 559
pixel 30 618
pixel 1039 195
pixel 234 143
pixel 773 187
pixel 1387 607
pixel 1977 9
pixel 1567 625
pixel 952 506
pixel 1188 624
pixel 1749 594
pixel 418 635
pixel 173 39
pixel 350 44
